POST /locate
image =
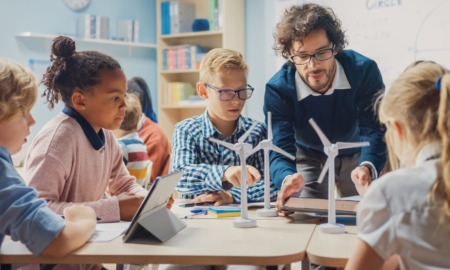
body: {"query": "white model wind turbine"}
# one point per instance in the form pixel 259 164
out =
pixel 242 149
pixel 332 150
pixel 267 146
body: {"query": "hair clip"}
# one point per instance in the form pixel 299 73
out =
pixel 437 84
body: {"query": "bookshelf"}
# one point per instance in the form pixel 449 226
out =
pixel 129 48
pixel 231 35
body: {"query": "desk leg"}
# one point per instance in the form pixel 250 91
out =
pixel 305 264
pixel 300 265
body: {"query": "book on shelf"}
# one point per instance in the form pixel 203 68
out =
pixel 176 17
pixel 215 15
pixel 224 211
pixel 165 18
pixel 93 27
pixel 183 57
pixel 174 92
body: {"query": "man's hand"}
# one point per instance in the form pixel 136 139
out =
pixel 233 175
pixel 293 183
pixel 129 203
pixel 218 198
pixel 362 178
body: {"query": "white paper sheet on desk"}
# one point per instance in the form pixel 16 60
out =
pixel 105 232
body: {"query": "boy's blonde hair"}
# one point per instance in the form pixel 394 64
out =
pixel 419 102
pixel 18 89
pixel 220 59
pixel 133 113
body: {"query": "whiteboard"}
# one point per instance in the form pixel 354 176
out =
pixel 394 33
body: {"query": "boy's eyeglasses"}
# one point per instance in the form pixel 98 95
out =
pixel 227 95
pixel 304 58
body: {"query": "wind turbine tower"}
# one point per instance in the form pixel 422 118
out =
pixel 332 150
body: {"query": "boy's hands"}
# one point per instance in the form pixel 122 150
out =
pixel 218 198
pixel 233 175
pixel 362 178
pixel 79 212
pixel 129 203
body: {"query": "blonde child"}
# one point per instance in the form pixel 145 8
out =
pixel 211 171
pixel 407 211
pixel 75 158
pixel 23 216
pixel 134 150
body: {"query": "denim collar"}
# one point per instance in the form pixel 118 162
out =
pixel 97 140
pixel 4 154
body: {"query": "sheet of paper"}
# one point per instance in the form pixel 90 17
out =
pixel 105 232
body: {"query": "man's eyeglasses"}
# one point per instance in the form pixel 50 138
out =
pixel 226 95
pixel 304 58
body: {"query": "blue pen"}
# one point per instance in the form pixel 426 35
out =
pixel 196 212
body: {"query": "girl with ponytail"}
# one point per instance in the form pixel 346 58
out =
pixel 407 211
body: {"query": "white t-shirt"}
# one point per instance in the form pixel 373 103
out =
pixel 395 216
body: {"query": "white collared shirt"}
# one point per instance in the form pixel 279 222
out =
pixel 396 217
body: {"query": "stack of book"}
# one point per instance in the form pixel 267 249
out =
pixel 176 17
pixel 224 211
pixel 93 27
pixel 174 92
pixel 183 57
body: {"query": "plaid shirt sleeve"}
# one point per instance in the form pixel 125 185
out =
pixel 198 177
pixel 204 162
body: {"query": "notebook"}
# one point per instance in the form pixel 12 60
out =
pixel 320 206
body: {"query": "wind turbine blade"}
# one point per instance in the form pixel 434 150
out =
pixel 243 137
pixel 281 151
pixel 324 170
pixel 254 150
pixel 226 144
pixel 319 132
pixel 345 145
pixel 269 126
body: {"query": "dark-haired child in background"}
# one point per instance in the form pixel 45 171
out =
pixel 158 145
pixel 75 157
pixel 23 216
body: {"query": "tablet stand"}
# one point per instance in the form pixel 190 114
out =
pixel 159 224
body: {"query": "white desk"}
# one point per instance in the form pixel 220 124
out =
pixel 331 249
pixel 203 241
